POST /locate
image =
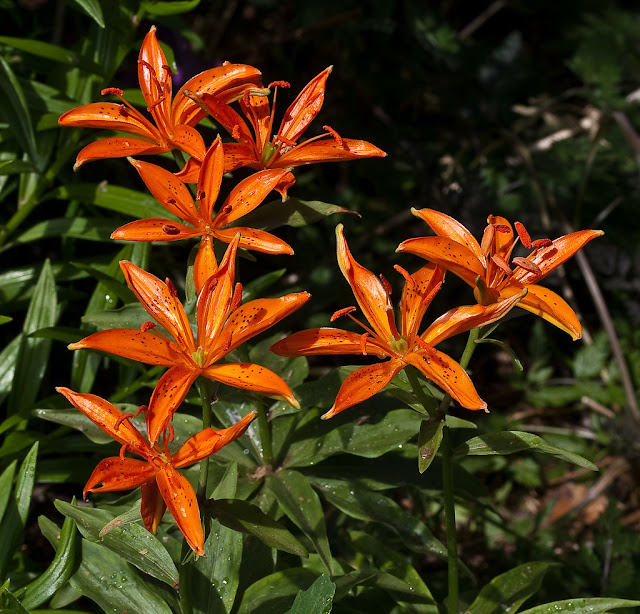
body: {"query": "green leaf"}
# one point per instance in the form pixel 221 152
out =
pixel 509 442
pixel 593 605
pixel 15 167
pixel 91 229
pixel 128 540
pixel 429 441
pixel 112 197
pixel 17 113
pixel 92 8
pixel 220 570
pixel 76 420
pixel 58 572
pixel 301 504
pixel 317 599
pixel 250 519
pixel 363 504
pixel 51 52
pixel 6 480
pixel 114 286
pixel 33 354
pixel 15 607
pixel 274 593
pixel 258 287
pixel 508 591
pixel 314 444
pixel 25 482
pixel 129 316
pixel 292 212
pixel 8 359
pixel 161 8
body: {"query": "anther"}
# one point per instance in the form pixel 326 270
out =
pixel 429 297
pixel 334 134
pixel 279 84
pixel 171 288
pixel 170 230
pixel 405 274
pixel 235 133
pixel 386 284
pixel 523 234
pixel 501 228
pixel 145 326
pixel 237 297
pixel 429 349
pixel 541 243
pixel 120 420
pixel 487 239
pixel 501 263
pixel 112 90
pixel 342 312
pixel 527 265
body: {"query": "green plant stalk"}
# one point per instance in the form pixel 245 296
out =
pixel 448 489
pixel 418 390
pixel 265 437
pixel 207 390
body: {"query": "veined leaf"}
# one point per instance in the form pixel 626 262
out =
pixel 92 8
pixel 594 605
pixel 91 229
pixel 51 52
pixel 317 599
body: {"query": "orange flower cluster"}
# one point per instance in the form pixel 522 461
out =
pixel 223 323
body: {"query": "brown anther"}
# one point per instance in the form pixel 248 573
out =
pixel 334 134
pixel 363 343
pixel 116 91
pixel 405 274
pixel 386 284
pixel 227 343
pixel 235 133
pixel 170 230
pixel 527 265
pixel 143 409
pixel 523 234
pixel 237 297
pixel 279 84
pixel 120 420
pixel 429 349
pixel 171 288
pixel 247 98
pixel 541 243
pixel 123 449
pixel 145 326
pixel 341 312
pixel 487 239
pixel 501 263
pixel 501 228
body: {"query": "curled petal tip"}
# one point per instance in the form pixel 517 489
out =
pixel 73 346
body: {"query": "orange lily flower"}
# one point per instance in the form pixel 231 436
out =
pixel 404 347
pixel 161 485
pixel 174 121
pixel 485 267
pixel 223 325
pixel 176 198
pixel 260 150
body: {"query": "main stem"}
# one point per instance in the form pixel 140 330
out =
pixel 207 391
pixel 448 486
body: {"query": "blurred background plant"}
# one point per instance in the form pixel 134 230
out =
pixel 505 107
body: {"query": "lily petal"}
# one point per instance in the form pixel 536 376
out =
pixel 154 77
pixel 368 290
pixel 205 264
pixel 237 155
pixel 363 383
pixel 447 374
pixel 209 441
pixel 167 396
pixel 111 116
pixel 154 229
pixel 189 140
pixel 415 297
pixel 462 319
pixel 210 179
pixel 117 147
pixel 453 256
pixel 551 306
pixel 181 501
pixel 152 506
pixel 251 377
pixel 109 419
pixel 330 341
pixel 255 240
pixel 130 343
pixel 115 473
pixel 329 150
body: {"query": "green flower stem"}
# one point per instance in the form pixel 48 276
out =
pixel 207 390
pixel 265 437
pixel 412 376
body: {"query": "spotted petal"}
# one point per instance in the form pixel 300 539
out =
pixel 330 341
pixel 154 229
pixel 115 473
pixel 329 150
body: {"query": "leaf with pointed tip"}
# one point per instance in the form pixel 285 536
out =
pixel 317 599
pixel 593 605
pixel 92 8
pixel 429 441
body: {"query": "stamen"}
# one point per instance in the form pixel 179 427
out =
pixel 116 91
pixel 235 133
pixel 429 349
pixel 410 281
pixel 386 284
pixel 145 326
pixel 525 238
pixel 541 243
pixel 501 228
pixel 363 343
pixel 170 432
pixel 156 103
pixel 334 134
pixel 246 98
pixel 237 297
pixel 279 84
pixel 171 288
pixel 170 230
pixel 167 70
pixel 501 263
pixel 342 312
pixel 143 409
pixel 487 239
pixel 147 65
pixel 527 265
pixel 123 449
pixel 429 297
pixel 121 419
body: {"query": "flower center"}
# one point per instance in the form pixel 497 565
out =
pixel 199 357
pixel 399 345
